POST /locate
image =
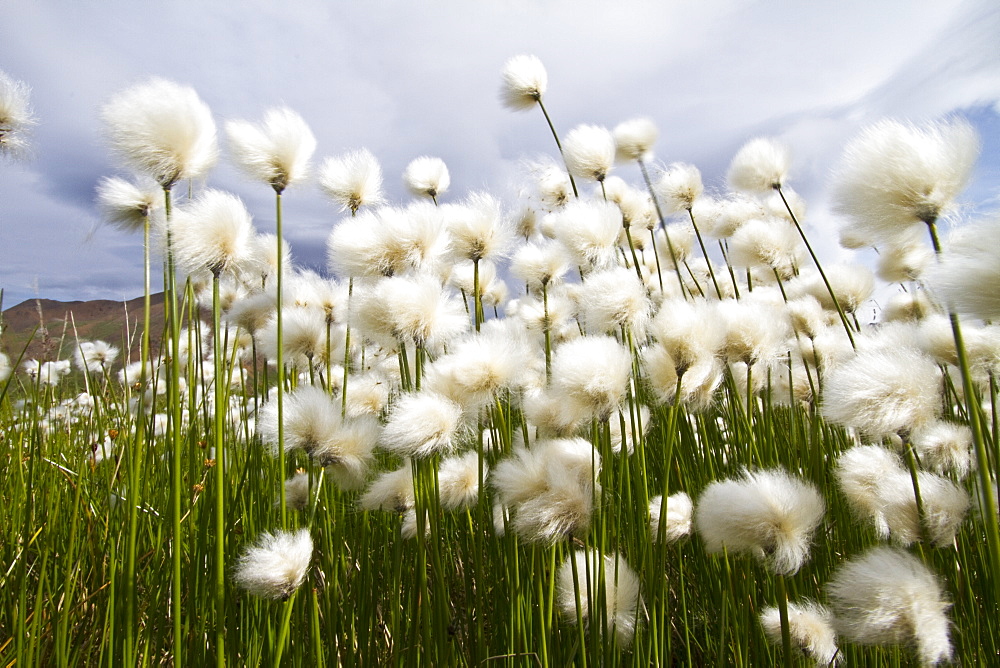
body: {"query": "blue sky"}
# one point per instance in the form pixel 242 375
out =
pixel 421 78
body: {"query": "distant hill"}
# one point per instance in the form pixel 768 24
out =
pixel 51 328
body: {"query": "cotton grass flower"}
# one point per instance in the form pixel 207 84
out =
pixel 589 151
pixel 677 522
pixel 275 566
pixel 311 417
pixel 896 175
pixel 539 264
pixel 593 372
pixel 759 166
pixel 214 232
pixel 619 588
pixel 353 180
pixel 127 205
pixel 811 626
pixel 678 187
pixel 162 129
pixel 888 597
pixel 16 117
pixel 458 480
pixel 769 514
pixel 882 392
pixel 478 229
pixel 589 231
pixel 945 447
pixel 634 140
pixel 422 424
pixel 524 81
pixel 276 151
pixel 550 488
pixel 969 269
pixel 427 177
pixel 95 356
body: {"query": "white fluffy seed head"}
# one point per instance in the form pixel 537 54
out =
pixel 594 372
pixel 888 597
pixel 276 151
pixel 903 262
pixel 769 243
pixel 214 232
pixel 589 151
pixel 897 175
pixel 539 264
pixel 275 566
pixel 16 117
pixel 882 392
pixel 612 299
pixel 677 523
pixel 634 139
pixel 969 270
pixel 589 230
pixel 127 205
pixel 311 421
pixel 678 187
pixel 95 356
pixel 392 491
pixel 811 628
pixel 422 424
pixel 619 589
pixel 352 180
pixel 162 129
pixel 770 514
pixel 759 166
pixel 458 480
pixel 427 177
pixel 479 229
pixel 852 284
pixel 524 81
pixel 945 447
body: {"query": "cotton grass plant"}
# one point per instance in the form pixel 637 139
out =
pixel 637 456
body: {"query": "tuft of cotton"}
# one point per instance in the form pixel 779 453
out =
pixel 483 365
pixel 276 151
pixel 759 166
pixel 769 514
pixel 392 491
pixel 458 480
pixel 755 331
pixel 903 262
pixel 162 129
pixel 769 243
pixel 214 232
pixel 677 523
pixel 427 177
pixel 811 627
pixel 275 566
pixel 16 117
pixel 550 488
pixel 127 205
pixel 634 140
pixel 95 356
pixel 969 269
pixel 352 180
pixel 593 372
pixel 523 82
pixel 618 588
pixel 589 230
pixel 911 306
pixel 678 187
pixel 589 151
pixel 422 424
pixel 896 175
pixel 888 597
pixel 347 454
pixel 539 264
pixel 479 228
pixel 945 447
pixel 311 420
pixel 612 299
pixel 882 392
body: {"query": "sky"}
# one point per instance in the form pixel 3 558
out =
pixel 406 79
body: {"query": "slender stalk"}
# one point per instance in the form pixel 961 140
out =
pixel 819 267
pixel 220 478
pixel 283 506
pixel 555 135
